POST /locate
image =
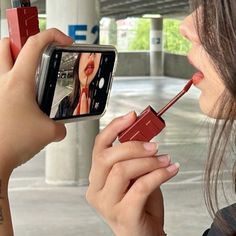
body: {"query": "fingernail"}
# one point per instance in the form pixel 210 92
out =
pixel 150 146
pixel 163 158
pixel 174 167
pixel 128 114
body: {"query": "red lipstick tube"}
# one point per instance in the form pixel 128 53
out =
pixel 22 23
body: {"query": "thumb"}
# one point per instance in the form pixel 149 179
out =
pixel 109 134
pixel 58 132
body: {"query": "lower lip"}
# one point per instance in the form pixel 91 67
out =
pixel 197 78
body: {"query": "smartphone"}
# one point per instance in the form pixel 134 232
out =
pixel 74 82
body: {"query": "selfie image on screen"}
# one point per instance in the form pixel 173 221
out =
pixel 81 87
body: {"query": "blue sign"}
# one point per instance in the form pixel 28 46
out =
pixel 80 33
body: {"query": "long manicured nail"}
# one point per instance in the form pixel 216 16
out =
pixel 150 146
pixel 174 167
pixel 163 158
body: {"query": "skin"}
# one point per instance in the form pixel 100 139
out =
pixel 125 179
pixel 24 129
pixel 211 86
pixel 85 79
pixel 84 61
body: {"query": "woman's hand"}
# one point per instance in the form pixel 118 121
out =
pixel 83 107
pixel 125 182
pixel 24 128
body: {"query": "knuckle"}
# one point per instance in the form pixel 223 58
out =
pixel 142 187
pixel 90 178
pixel 33 40
pixel 132 146
pixel 115 124
pixel 89 197
pixel 98 137
pixel 119 170
pixel 114 121
pixel 101 159
pixel 52 31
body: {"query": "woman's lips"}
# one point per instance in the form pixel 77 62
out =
pixel 89 68
pixel 197 78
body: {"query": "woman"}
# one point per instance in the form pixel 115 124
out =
pixel 125 179
pixel 84 72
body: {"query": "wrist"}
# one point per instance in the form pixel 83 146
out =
pixel 5 214
pixel 161 232
pixel 5 173
pixel 6 164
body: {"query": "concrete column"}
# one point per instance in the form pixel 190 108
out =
pixel 4 4
pixel 156 47
pixel 113 32
pixel 69 161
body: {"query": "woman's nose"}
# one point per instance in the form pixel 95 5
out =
pixel 92 55
pixel 188 29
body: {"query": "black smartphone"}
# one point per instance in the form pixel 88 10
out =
pixel 74 82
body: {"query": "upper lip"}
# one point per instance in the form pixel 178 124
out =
pixel 192 63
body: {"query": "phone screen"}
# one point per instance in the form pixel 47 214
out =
pixel 80 83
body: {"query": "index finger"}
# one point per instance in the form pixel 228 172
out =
pixel 109 134
pixel 31 52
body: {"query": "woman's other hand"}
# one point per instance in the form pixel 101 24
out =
pixel 24 128
pixel 125 182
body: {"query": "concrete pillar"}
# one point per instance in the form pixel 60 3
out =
pixel 156 47
pixel 113 32
pixel 69 161
pixel 4 4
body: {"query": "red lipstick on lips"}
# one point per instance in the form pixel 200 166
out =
pixel 89 68
pixel 197 78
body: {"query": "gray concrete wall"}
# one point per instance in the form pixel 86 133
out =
pixel 133 64
pixel 177 66
pixel 138 64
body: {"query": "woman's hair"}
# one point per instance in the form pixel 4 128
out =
pixel 216 27
pixel 75 94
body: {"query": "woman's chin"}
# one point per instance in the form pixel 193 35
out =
pixel 209 108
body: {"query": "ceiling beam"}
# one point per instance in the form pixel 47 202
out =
pixel 140 11
pixel 124 8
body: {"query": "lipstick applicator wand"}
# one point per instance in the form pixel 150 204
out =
pixel 176 98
